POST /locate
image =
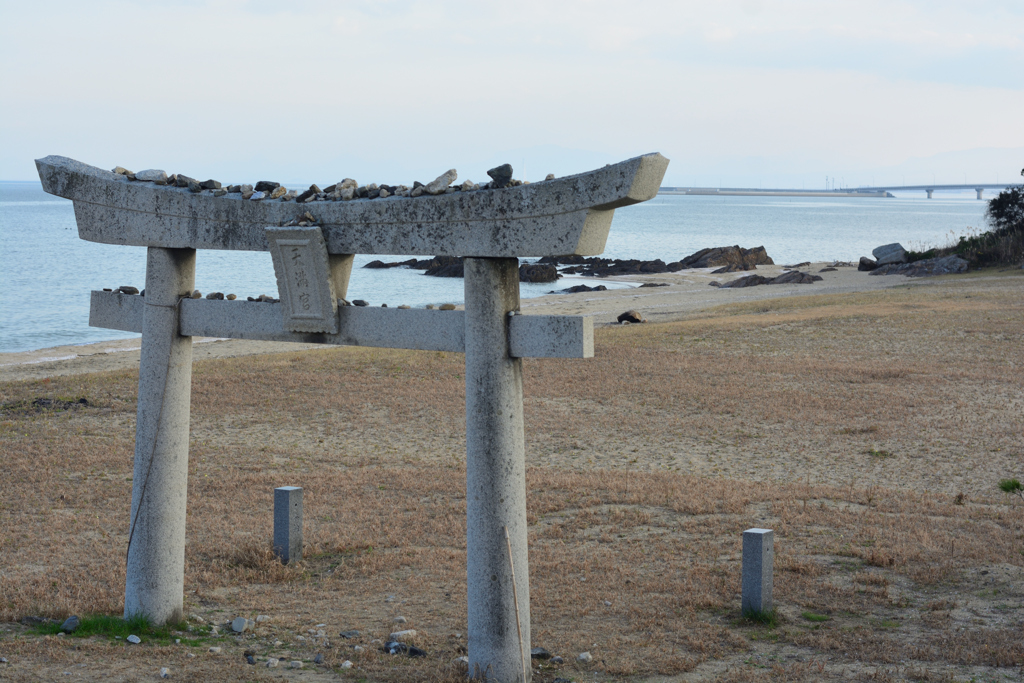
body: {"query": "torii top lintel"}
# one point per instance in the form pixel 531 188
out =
pixel 569 215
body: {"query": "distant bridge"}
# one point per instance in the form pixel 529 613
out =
pixel 977 187
pixel 878 191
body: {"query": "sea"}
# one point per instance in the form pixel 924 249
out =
pixel 47 272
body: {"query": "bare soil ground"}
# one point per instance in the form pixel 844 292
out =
pixel 867 429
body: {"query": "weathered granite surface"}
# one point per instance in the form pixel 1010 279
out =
pixel 889 253
pixel 530 336
pixel 944 265
pixel 569 215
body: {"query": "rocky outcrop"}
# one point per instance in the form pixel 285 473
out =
pixel 735 258
pixel 393 264
pixel 446 266
pixel 793 277
pixel 725 256
pixel 889 253
pixel 538 272
pixel 944 265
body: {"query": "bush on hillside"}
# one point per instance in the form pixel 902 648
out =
pixel 1004 242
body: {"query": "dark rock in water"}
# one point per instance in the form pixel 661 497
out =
pixel 360 302
pixel 266 186
pixel 349 634
pixel 866 264
pixel 210 185
pixel 724 256
pixel 577 289
pixel 570 260
pixel 501 176
pixel 70 625
pixel 654 284
pixel 128 289
pixel 393 264
pixel 537 272
pixel 446 266
pixel 630 317
pixel 394 648
pixel 539 653
pixel 944 265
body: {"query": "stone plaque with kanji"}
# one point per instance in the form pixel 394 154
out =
pixel 303 279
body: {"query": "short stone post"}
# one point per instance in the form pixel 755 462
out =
pixel 758 563
pixel 288 523
pixel 495 475
pixel 155 573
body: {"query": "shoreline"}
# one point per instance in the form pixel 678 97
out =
pixel 687 293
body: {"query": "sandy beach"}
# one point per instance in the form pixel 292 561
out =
pixel 688 293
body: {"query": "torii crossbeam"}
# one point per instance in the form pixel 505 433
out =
pixel 490 229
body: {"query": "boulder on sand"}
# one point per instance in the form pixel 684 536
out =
pixel 866 264
pixel 794 277
pixel 889 253
pixel 630 317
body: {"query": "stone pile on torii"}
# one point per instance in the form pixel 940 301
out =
pixel 490 229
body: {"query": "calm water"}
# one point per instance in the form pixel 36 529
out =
pixel 46 272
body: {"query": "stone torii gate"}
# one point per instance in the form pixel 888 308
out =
pixel 491 229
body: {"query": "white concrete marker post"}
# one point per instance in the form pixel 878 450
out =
pixel 155 578
pixel 495 474
pixel 288 523
pixel 758 567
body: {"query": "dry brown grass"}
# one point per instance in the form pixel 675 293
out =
pixel 646 464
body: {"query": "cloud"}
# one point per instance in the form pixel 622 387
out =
pixel 311 87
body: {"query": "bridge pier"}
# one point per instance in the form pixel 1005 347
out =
pixel 929 193
pixel 979 190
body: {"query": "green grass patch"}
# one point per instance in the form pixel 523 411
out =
pixel 769 618
pixel 878 454
pixel 116 627
pixel 811 616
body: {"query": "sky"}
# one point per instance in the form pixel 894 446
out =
pixel 737 93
